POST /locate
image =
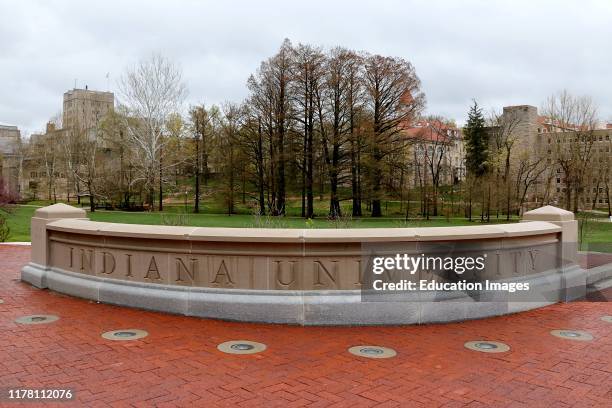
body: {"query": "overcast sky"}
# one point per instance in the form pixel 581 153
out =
pixel 499 52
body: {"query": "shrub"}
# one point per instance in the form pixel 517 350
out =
pixel 4 228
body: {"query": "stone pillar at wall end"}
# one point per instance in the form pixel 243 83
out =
pixel 574 277
pixel 38 230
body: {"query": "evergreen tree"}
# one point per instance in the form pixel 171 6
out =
pixel 476 142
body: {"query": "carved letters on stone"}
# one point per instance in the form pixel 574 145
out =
pixel 191 272
pixel 285 276
pixel 223 275
pixel 86 260
pixel 128 265
pixel 532 257
pixel 331 276
pixel 264 272
pixel 153 268
pixel 108 263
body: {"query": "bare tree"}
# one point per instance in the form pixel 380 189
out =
pixel 393 97
pixel 607 173
pixel 199 121
pixel 228 162
pixel 335 106
pixel 115 171
pixel 354 105
pixel 307 84
pixel 504 137
pixel 433 141
pixel 46 153
pixel 577 118
pixel 271 102
pixel 529 169
pixel 150 91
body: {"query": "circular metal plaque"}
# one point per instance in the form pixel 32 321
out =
pixel 487 346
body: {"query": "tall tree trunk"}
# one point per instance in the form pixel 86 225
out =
pixel 488 202
pixel 470 194
pixel 576 191
pixel 309 174
pixel 303 213
pixel 596 194
pixel 609 200
pixel 376 183
pixel 355 188
pixel 92 201
pixel 204 172
pixel 161 180
pixel 482 206
pixel 196 204
pixel 260 170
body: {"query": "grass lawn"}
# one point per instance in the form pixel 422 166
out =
pixel 18 219
pixel 598 234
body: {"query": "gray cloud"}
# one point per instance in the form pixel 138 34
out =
pixel 499 52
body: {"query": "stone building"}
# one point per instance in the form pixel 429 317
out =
pixel 435 141
pixel 84 108
pixel 539 137
pixel 45 172
pixel 10 139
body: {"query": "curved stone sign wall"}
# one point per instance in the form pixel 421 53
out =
pixel 295 276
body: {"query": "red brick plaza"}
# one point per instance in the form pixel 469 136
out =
pixel 178 363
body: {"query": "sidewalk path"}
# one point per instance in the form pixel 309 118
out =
pixel 178 364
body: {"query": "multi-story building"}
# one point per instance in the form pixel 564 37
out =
pixel 540 138
pixel 45 170
pixel 440 143
pixel 84 108
pixel 10 138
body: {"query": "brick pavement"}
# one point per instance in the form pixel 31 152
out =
pixel 178 363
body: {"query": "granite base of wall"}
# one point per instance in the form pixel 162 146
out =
pixel 334 307
pixel 599 273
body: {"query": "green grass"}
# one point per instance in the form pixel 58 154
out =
pixel 249 221
pixel 18 219
pixel 598 234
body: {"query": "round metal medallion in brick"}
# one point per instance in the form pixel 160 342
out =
pixel 36 319
pixel 125 334
pixel 372 351
pixel 241 347
pixel 578 335
pixel 607 319
pixel 487 346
